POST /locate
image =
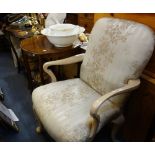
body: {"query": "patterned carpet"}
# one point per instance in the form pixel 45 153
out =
pixel 17 98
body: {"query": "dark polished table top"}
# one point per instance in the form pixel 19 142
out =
pixel 39 45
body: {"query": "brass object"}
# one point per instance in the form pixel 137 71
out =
pixel 41 21
pixel 83 37
pixel 35 24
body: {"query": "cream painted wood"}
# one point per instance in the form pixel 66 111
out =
pixel 130 86
pixel 66 61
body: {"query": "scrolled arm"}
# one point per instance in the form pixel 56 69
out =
pixel 95 118
pixel 66 61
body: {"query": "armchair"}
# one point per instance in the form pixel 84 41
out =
pixel 76 109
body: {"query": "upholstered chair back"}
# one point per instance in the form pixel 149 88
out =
pixel 118 50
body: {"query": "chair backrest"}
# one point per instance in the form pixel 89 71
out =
pixel 118 50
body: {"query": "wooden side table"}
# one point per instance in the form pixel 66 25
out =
pixel 40 48
pixel 16 32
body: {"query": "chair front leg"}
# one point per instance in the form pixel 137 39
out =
pixel 93 126
pixel 39 128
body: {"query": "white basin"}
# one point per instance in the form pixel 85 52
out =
pixel 62 35
pixel 63 41
pixel 62 29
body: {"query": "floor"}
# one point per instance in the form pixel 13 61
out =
pixel 18 98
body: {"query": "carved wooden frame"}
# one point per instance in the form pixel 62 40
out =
pixel 66 61
pixel 95 118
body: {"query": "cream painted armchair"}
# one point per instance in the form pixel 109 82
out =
pixel 76 109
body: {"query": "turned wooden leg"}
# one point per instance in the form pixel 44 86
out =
pixel 28 70
pixel 39 128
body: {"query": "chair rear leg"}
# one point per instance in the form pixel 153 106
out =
pixel 117 124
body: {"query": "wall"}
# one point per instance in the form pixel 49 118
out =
pixel 145 18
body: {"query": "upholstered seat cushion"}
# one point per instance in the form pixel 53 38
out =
pixel 63 108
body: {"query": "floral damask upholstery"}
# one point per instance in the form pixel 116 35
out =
pixel 117 54
pixel 118 51
pixel 67 106
pixel 62 102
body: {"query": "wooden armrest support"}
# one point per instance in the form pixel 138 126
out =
pixel 66 61
pixel 95 118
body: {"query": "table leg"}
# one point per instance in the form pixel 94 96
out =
pixel 14 51
pixel 41 69
pixel 28 70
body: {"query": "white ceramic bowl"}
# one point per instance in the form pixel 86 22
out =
pixel 62 40
pixel 62 29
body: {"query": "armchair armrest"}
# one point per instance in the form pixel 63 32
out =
pixel 95 118
pixel 66 61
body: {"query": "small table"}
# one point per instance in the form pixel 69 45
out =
pixel 12 31
pixel 39 47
